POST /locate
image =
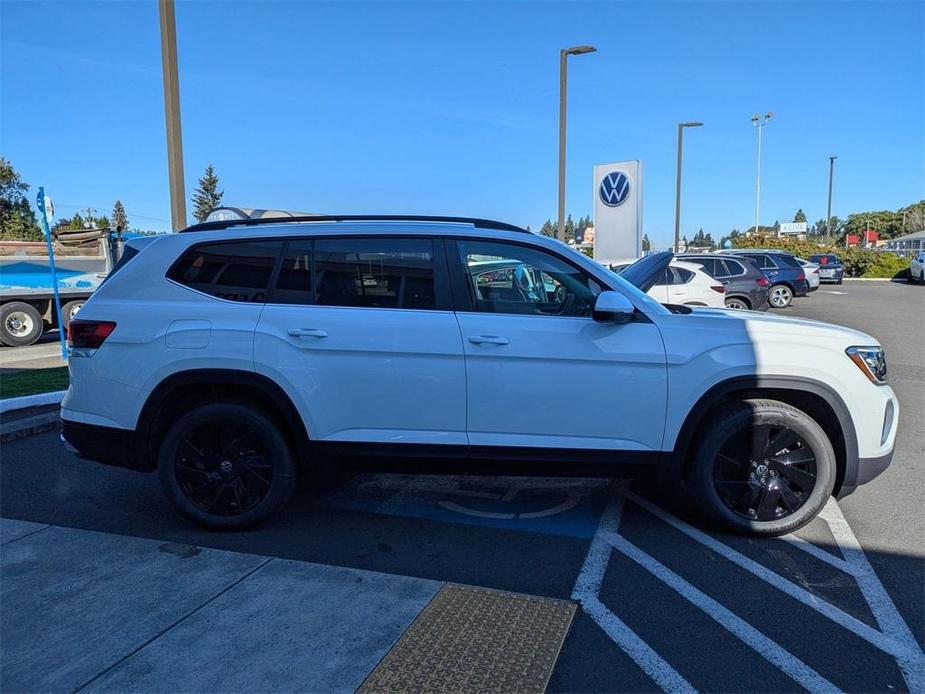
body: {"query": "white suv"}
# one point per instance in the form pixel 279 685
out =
pixel 231 356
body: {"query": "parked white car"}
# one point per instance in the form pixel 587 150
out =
pixel 917 269
pixel 682 284
pixel 234 356
pixel 812 273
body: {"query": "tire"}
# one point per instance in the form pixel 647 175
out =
pixel 68 311
pixel 20 324
pixel 738 303
pixel 780 296
pixel 210 443
pixel 839 282
pixel 740 482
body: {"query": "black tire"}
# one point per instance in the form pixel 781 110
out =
pixel 20 324
pixel 780 296
pixel 737 302
pixel 839 282
pixel 778 493
pixel 68 311
pixel 210 443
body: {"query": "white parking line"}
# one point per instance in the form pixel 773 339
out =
pixel 586 590
pixel 896 639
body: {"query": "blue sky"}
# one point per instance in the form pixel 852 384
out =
pixel 452 107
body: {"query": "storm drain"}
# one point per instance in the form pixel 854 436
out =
pixel 476 640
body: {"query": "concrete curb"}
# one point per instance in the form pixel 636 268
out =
pixel 36 400
pixel 29 426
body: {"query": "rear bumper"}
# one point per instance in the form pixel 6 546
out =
pixel 107 445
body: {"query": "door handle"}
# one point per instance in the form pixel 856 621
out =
pixel 488 340
pixel 307 332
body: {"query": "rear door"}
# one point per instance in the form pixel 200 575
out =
pixel 361 332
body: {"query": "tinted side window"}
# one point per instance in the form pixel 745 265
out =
pixel 509 278
pixel 710 265
pixel 375 273
pixel 681 275
pixel 789 261
pixel 730 268
pixel 294 282
pixel 233 271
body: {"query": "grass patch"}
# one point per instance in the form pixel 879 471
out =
pixel 31 381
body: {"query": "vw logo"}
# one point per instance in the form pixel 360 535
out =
pixel 615 189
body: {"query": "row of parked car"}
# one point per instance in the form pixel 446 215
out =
pixel 750 279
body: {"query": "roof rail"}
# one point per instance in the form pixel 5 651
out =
pixel 224 224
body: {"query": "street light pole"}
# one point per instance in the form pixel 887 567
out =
pixel 563 79
pixel 828 214
pixel 172 114
pixel 677 195
pixel 759 123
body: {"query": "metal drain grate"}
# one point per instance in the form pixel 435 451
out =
pixel 476 639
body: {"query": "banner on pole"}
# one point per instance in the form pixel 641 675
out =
pixel 618 211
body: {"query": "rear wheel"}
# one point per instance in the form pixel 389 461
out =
pixel 69 312
pixel 20 324
pixel 780 296
pixel 737 303
pixel 225 465
pixel 762 468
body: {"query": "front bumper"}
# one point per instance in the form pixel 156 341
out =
pixel 867 469
pixel 107 445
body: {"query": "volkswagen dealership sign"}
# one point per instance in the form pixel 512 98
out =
pixel 618 211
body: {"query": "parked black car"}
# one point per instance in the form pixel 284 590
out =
pixel 786 275
pixel 830 267
pixel 746 286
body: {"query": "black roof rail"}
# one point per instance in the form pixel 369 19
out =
pixel 482 223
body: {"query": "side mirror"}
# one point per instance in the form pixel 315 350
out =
pixel 613 307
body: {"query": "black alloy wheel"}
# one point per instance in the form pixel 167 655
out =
pixel 222 468
pixel 765 473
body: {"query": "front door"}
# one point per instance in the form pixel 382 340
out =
pixel 361 333
pixel 541 373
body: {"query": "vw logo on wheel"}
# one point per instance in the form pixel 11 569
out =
pixel 615 189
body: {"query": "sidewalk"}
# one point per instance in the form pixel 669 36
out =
pixel 83 610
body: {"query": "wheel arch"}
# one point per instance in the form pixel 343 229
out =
pixel 183 390
pixel 816 398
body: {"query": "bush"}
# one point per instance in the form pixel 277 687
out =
pixel 859 262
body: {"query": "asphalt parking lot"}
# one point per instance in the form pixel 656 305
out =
pixel 663 604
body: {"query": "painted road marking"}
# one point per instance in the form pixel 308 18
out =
pixel 896 639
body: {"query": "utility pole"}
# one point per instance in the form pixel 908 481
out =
pixel 828 214
pixel 759 124
pixel 563 80
pixel 172 114
pixel 677 194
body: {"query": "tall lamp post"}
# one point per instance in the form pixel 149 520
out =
pixel 759 123
pixel 563 70
pixel 828 214
pixel 677 194
pixel 172 114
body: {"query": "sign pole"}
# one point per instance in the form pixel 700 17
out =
pixel 62 328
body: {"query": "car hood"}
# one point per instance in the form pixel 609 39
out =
pixel 776 326
pixel 645 272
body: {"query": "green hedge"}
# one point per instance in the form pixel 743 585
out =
pixel 859 262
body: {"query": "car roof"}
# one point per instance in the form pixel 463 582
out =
pixel 317 219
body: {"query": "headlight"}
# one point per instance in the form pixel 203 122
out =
pixel 870 360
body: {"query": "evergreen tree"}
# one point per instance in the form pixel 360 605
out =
pixel 77 222
pixel 548 228
pixel 17 219
pixel 119 219
pixel 207 196
pixel 800 216
pixel 569 229
pixel 646 244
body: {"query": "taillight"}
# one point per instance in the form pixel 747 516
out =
pixel 88 334
pixel 720 289
pixel 762 281
pixel 801 276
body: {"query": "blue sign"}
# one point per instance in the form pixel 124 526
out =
pixel 615 189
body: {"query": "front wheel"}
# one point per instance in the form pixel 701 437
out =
pixel 780 296
pixel 20 324
pixel 762 468
pixel 225 465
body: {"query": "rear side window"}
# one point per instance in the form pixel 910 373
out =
pixel 711 266
pixel 729 268
pixel 233 271
pixel 763 261
pixel 375 273
pixel 789 261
